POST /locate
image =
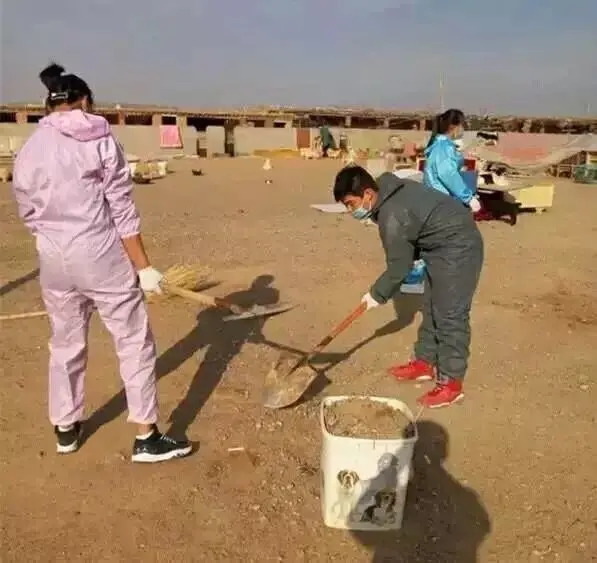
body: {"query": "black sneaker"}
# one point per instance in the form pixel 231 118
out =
pixel 159 447
pixel 68 441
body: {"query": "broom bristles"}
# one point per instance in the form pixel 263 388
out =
pixel 184 276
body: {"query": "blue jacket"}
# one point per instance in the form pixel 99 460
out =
pixel 442 169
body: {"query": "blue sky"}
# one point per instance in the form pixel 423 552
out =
pixel 506 56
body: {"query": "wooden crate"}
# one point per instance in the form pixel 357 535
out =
pixel 526 194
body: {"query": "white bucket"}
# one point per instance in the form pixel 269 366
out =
pixel 364 481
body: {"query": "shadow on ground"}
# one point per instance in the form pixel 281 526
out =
pixel 222 341
pixel 7 288
pixel 405 306
pixel 444 521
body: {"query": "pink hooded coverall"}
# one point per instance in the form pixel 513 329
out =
pixel 73 188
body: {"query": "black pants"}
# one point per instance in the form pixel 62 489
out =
pixel 445 333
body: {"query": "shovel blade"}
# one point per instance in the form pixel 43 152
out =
pixel 260 311
pixel 284 386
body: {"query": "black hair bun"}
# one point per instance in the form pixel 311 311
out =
pixel 50 76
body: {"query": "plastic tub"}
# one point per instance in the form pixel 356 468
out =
pixel 364 481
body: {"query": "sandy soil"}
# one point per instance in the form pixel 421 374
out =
pixel 364 418
pixel 508 476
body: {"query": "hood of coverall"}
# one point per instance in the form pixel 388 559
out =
pixel 443 139
pixel 388 185
pixel 77 124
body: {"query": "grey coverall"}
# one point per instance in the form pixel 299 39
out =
pixel 416 221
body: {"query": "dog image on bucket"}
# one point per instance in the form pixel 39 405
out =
pixel 381 512
pixel 347 494
pixel 378 506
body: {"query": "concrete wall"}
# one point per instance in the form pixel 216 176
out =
pixel 247 140
pixel 215 141
pixel 12 136
pixel 374 139
pixel 143 141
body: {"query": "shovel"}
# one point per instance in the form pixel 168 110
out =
pixel 285 385
pixel 238 313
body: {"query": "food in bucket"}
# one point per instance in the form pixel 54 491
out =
pixel 365 418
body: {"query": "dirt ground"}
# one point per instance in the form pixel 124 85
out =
pixel 510 475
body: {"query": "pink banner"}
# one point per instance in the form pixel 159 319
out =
pixel 170 137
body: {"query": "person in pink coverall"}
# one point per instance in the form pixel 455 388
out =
pixel 73 188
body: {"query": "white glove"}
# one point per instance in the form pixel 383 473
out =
pixel 149 280
pixel 475 205
pixel 371 303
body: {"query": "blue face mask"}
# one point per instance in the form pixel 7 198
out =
pixel 361 213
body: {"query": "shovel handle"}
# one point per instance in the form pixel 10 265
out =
pixel 204 299
pixel 338 329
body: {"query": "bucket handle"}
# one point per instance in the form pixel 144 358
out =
pixel 418 415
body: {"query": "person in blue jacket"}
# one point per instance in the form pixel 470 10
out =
pixel 444 161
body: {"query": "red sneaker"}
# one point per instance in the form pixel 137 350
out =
pixel 415 370
pixel 442 395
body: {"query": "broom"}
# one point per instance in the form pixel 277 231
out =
pixel 16 316
pixel 179 277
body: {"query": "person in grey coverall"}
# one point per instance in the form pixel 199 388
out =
pixel 416 221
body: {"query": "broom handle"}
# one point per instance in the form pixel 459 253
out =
pixel 204 299
pixel 23 316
